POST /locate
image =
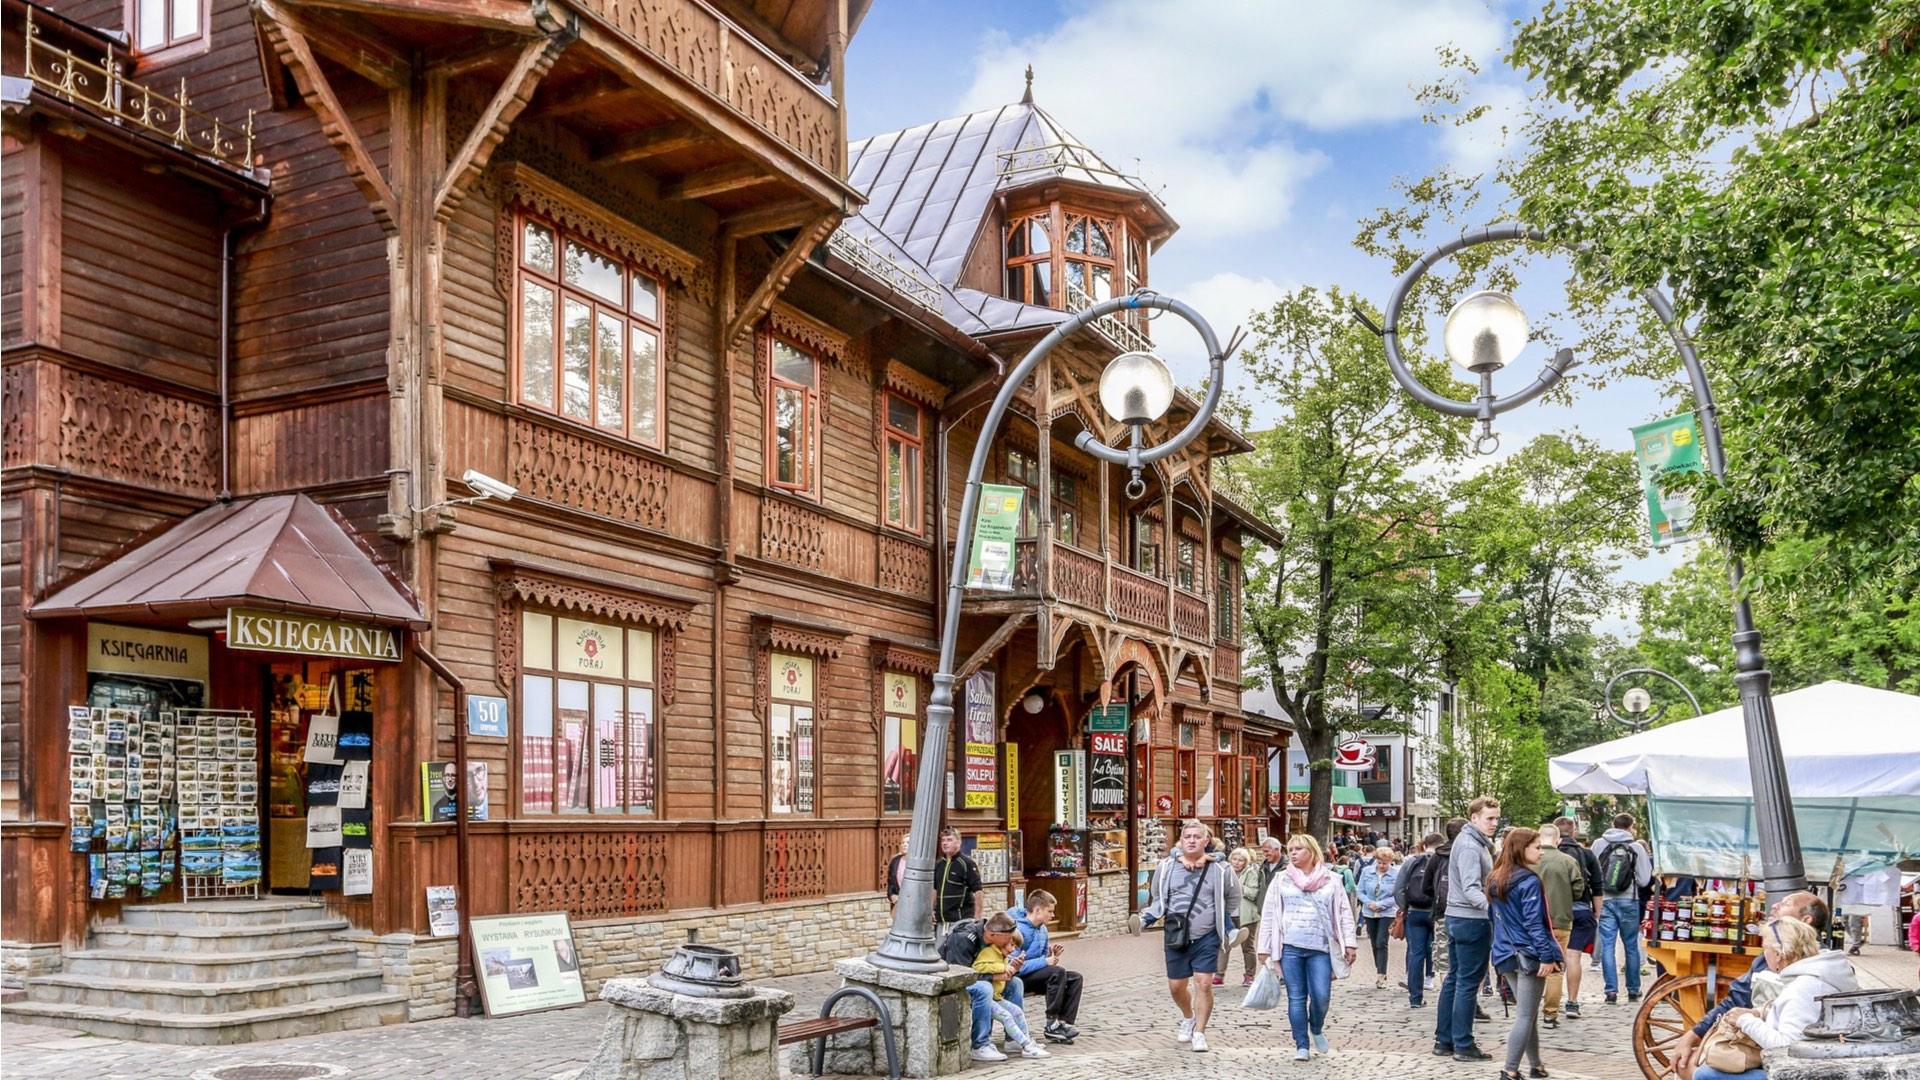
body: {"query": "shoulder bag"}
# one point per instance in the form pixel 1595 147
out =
pixel 1179 933
pixel 1727 1049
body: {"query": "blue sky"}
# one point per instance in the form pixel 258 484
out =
pixel 1270 126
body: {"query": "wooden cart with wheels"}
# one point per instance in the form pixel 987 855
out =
pixel 1697 974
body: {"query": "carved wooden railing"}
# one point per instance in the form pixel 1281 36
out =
pixel 571 469
pixel 796 864
pixel 1190 617
pixel 1140 599
pixel 726 62
pixel 792 534
pixel 1077 577
pixel 1226 664
pixel 590 875
pixel 110 430
pixel 905 567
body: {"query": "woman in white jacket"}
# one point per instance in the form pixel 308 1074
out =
pixel 1306 933
pixel 1793 950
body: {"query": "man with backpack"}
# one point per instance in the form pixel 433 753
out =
pixel 961 947
pixel 1580 938
pixel 1625 869
pixel 1413 892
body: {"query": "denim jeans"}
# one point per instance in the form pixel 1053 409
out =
pixel 1620 916
pixel 1469 944
pixel 1309 977
pixel 1708 1072
pixel 1419 928
pixel 982 994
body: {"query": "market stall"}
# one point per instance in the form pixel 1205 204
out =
pixel 1853 766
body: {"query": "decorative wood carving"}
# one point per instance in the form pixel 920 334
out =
pixel 909 383
pixel 809 333
pixel 771 633
pixel 891 837
pixel 886 656
pixel 1190 617
pixel 515 587
pixel 1077 577
pixel 17 393
pixel 792 534
pixel 119 432
pixel 577 471
pixel 1226 664
pixel 724 60
pixel 905 567
pixel 796 864
pixel 1139 599
pixel 521 187
pixel 590 875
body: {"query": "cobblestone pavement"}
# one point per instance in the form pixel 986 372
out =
pixel 1126 1022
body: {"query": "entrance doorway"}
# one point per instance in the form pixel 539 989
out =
pixel 1039 735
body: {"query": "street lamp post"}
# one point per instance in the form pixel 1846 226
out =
pixel 1484 332
pixel 1136 389
pixel 1641 712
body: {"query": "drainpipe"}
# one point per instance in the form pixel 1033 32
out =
pixel 258 215
pixel 464 988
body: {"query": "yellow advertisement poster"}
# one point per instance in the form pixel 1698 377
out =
pixel 1013 786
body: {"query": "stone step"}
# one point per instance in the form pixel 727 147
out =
pixel 219 1029
pixel 163 939
pixel 203 998
pixel 210 967
pixel 231 913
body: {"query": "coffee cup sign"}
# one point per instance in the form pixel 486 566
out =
pixel 1354 755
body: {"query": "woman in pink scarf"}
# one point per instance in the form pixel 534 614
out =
pixel 1306 932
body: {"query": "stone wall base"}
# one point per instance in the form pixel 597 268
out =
pixel 21 960
pixel 423 968
pixel 1107 904
pixel 773 939
pixel 1781 1065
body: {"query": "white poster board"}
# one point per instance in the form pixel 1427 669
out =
pixel 526 962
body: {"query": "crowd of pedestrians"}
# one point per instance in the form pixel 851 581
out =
pixel 1519 910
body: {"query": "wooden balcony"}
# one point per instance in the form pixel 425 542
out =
pixel 1190 617
pixel 1139 599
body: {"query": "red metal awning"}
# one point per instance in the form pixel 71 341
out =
pixel 279 552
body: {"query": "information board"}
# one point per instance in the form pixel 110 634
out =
pixel 526 962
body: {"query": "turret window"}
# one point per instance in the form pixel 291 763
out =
pixel 1030 259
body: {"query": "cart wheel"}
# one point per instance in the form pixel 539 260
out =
pixel 1662 1022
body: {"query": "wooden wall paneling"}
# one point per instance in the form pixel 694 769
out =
pixel 475 317
pixel 851 854
pixel 690 856
pixel 329 442
pixel 39 169
pixel 742 848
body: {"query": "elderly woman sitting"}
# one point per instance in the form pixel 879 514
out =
pixel 1806 976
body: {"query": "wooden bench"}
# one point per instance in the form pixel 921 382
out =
pixel 818 1031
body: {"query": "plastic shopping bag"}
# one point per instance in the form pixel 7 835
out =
pixel 1265 991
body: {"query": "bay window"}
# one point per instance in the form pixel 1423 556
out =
pixel 1089 264
pixel 1030 259
pixel 588 723
pixel 589 335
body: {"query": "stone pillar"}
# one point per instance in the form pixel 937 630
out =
pixel 656 1034
pixel 932 1024
pixel 1784 1065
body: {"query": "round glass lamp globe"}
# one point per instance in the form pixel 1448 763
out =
pixel 1637 700
pixel 1485 331
pixel 1136 388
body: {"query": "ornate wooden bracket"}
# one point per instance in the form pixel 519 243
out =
pixel 516 586
pixel 535 60
pixel 771 632
pixel 782 271
pixel 992 645
pixel 291 48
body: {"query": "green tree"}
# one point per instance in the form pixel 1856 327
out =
pixel 1498 749
pixel 1356 605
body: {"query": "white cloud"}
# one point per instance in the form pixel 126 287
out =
pixel 1198 93
pixel 1475 147
pixel 1225 300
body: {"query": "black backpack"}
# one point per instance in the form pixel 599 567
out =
pixel 963 942
pixel 1436 876
pixel 1617 870
pixel 1419 887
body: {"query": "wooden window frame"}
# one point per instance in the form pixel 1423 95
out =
pixel 1018 266
pixel 913 499
pixel 1250 786
pixel 555 676
pixel 1116 241
pixel 1141 538
pixel 175 47
pixel 796 814
pixel 1186 769
pixel 1066 507
pixel 916 720
pixel 809 444
pixel 597 305
pixel 1227 782
pixel 1186 563
pixel 1226 599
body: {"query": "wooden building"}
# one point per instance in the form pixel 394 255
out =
pixel 290 284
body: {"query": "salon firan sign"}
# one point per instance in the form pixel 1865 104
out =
pixel 273 631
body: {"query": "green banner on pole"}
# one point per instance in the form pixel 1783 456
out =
pixel 1663 448
pixel 1108 718
pixel 990 561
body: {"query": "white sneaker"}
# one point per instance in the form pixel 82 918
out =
pixel 1199 1042
pixel 987 1053
pixel 1303 1054
pixel 1186 1032
pixel 1133 924
pixel 1320 1045
pixel 1034 1050
pixel 1234 939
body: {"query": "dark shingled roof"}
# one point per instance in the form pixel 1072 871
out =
pixel 283 552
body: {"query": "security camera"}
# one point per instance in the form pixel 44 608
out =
pixel 487 486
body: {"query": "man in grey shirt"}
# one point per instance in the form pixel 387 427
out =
pixel 1469 932
pixel 1205 894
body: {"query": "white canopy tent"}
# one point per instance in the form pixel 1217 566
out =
pixel 1853 766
